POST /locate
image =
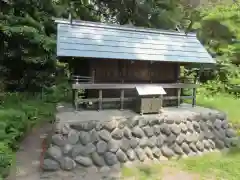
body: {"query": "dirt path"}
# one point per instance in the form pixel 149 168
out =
pixel 27 164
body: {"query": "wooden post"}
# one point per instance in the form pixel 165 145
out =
pixel 75 98
pixel 179 97
pixel 194 97
pixel 100 100
pixel 122 98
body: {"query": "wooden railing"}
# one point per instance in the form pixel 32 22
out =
pixel 122 87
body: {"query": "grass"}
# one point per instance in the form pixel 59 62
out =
pixel 217 166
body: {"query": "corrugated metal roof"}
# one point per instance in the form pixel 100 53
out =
pixel 97 40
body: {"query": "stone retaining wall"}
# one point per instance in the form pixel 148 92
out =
pixel 106 143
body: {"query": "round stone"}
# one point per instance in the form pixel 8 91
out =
pixel 140 154
pixel 105 135
pixel 206 144
pixel 177 149
pixel 160 140
pixel 153 121
pixel 131 154
pixel 65 129
pixel 219 134
pixel 190 126
pixel 117 134
pixel 55 153
pixel 85 161
pixel 148 131
pixel 225 124
pixel 134 142
pixel 171 139
pixel 84 137
pixel 58 140
pixel 185 148
pixel 169 119
pixel 230 133
pixel 99 126
pixel 165 129
pixel 142 122
pixel 76 150
pixel 110 125
pixel 200 146
pixel 127 133
pixel 152 141
pixel 156 129
pixel 88 149
pixel 125 144
pixel 219 144
pixel 50 165
pixel 217 124
pixel 221 116
pixel 212 143
pixel 138 132
pixel 97 160
pixel 121 156
pixel 143 142
pixel 180 138
pixel 67 164
pixel 167 152
pixel 101 147
pixel 132 122
pixel 175 129
pixel 94 136
pixel 189 137
pixel 196 126
pixel 110 158
pixel 156 152
pixel 73 137
pixel 113 146
pixel 148 152
pixel 183 127
pixel 193 147
pixel 67 149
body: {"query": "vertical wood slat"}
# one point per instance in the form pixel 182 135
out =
pixel 178 96
pixel 194 97
pixel 100 99
pixel 122 98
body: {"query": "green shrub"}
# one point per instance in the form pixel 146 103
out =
pixel 6 160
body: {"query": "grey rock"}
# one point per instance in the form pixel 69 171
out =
pixel 183 127
pixel 54 153
pixel 84 137
pixel 165 129
pixel 122 123
pixel 134 142
pixel 50 165
pixel 99 126
pixel 105 135
pixel 101 147
pixel 84 161
pixel 117 134
pixel 156 152
pixel 110 125
pixel 208 134
pixel 73 137
pixel 76 150
pixel 180 138
pixel 195 136
pixel 234 141
pixel 154 121
pixel 125 144
pixel 113 146
pixel 142 122
pixel 156 129
pixel 85 126
pixel 185 148
pixel 189 137
pixel 148 131
pixel 58 140
pixel 171 139
pixel 138 132
pixel 217 124
pixel 160 140
pixel 67 164
pixel 209 125
pixel 88 149
pixel 206 144
pixel 219 134
pixel 178 120
pixel 152 141
pixel 140 154
pixel 94 137
pixel 127 132
pixel 167 152
pixel 203 126
pixel 201 136
pixel 225 124
pixel 65 129
pixel 105 170
pixel 110 158
pixel 227 142
pixel 131 154
pixel 169 119
pixel 67 149
pixel 132 122
pixel 121 156
pixel 148 152
pixel 193 147
pixel 190 126
pixel 143 142
pixel 200 146
pixel 219 144
pixel 175 129
pixel 177 149
pixel 212 144
pixel 97 160
pixel 221 116
pixel 196 126
pixel 230 133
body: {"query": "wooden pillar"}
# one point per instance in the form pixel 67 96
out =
pixel 179 96
pixel 122 98
pixel 100 99
pixel 194 97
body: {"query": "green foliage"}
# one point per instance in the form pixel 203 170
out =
pixel 6 158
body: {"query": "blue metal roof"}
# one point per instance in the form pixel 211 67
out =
pixel 97 40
